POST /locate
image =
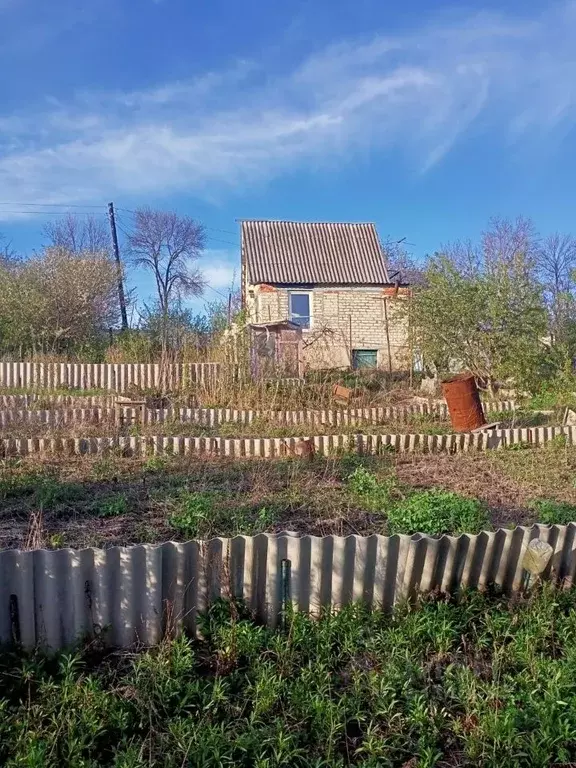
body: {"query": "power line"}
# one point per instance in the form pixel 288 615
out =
pixel 225 231
pixel 210 229
pixel 217 240
pixel 224 295
pixel 58 213
pixel 53 205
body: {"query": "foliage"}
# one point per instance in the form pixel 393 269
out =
pixel 482 308
pixel 193 513
pixel 375 494
pixel 201 515
pixel 478 682
pixel 114 506
pixel 57 302
pixel 435 512
pixel 552 512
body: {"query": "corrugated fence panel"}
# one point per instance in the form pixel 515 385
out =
pixel 111 376
pixel 207 416
pixel 289 446
pixel 136 594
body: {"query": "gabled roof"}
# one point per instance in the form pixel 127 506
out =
pixel 295 252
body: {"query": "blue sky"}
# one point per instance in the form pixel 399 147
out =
pixel 424 117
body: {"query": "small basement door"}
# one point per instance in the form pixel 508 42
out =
pixel 364 358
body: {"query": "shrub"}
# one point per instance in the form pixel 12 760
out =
pixel 552 512
pixel 435 512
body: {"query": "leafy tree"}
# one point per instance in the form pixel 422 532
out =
pixel 57 302
pixel 482 308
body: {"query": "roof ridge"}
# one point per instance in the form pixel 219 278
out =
pixel 300 221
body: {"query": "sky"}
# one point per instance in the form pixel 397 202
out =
pixel 424 117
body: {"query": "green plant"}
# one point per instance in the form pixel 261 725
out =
pixel 435 512
pixel 114 506
pixel 193 513
pixel 552 512
pixel 478 681
pixel 373 493
pixel 56 541
pixel 156 464
pixel 105 467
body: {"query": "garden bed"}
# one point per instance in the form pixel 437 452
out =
pixel 109 500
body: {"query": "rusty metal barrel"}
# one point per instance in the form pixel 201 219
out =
pixel 463 400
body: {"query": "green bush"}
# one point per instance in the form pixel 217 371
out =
pixel 435 512
pixel 552 512
pixel 477 681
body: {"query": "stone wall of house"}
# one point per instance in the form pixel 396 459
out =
pixel 339 315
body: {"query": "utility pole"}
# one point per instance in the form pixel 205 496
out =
pixel 121 297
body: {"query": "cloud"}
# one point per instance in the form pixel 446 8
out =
pixel 416 93
pixel 221 269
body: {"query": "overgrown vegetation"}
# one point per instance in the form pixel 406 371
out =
pixel 114 500
pixel 504 308
pixel 478 682
pixel 552 512
pixel 435 512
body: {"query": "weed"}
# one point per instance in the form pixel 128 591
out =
pixel 56 541
pixel 114 506
pixel 156 464
pixel 474 682
pixel 435 512
pixel 105 467
pixel 374 494
pixel 192 515
pixel 552 512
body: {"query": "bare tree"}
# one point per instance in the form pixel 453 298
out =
pixel 465 255
pixel 78 234
pixel 401 266
pixel 511 245
pixel 8 255
pixel 557 272
pixel 169 246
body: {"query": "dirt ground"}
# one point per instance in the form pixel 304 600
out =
pixel 89 501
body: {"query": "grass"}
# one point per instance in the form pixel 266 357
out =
pixel 480 682
pixel 110 500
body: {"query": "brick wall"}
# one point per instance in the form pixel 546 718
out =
pixel 332 310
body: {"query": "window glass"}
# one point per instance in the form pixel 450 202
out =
pixel 300 309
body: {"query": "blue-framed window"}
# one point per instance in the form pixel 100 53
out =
pixel 300 305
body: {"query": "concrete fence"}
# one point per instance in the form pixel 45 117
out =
pixel 140 593
pixel 32 401
pixel 116 377
pixel 213 417
pixel 266 447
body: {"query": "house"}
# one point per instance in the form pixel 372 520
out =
pixel 331 280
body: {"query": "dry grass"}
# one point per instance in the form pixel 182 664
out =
pixel 103 501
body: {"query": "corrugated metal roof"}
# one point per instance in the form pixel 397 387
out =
pixel 295 252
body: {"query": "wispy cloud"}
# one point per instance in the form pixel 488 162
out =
pixel 220 269
pixel 417 93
